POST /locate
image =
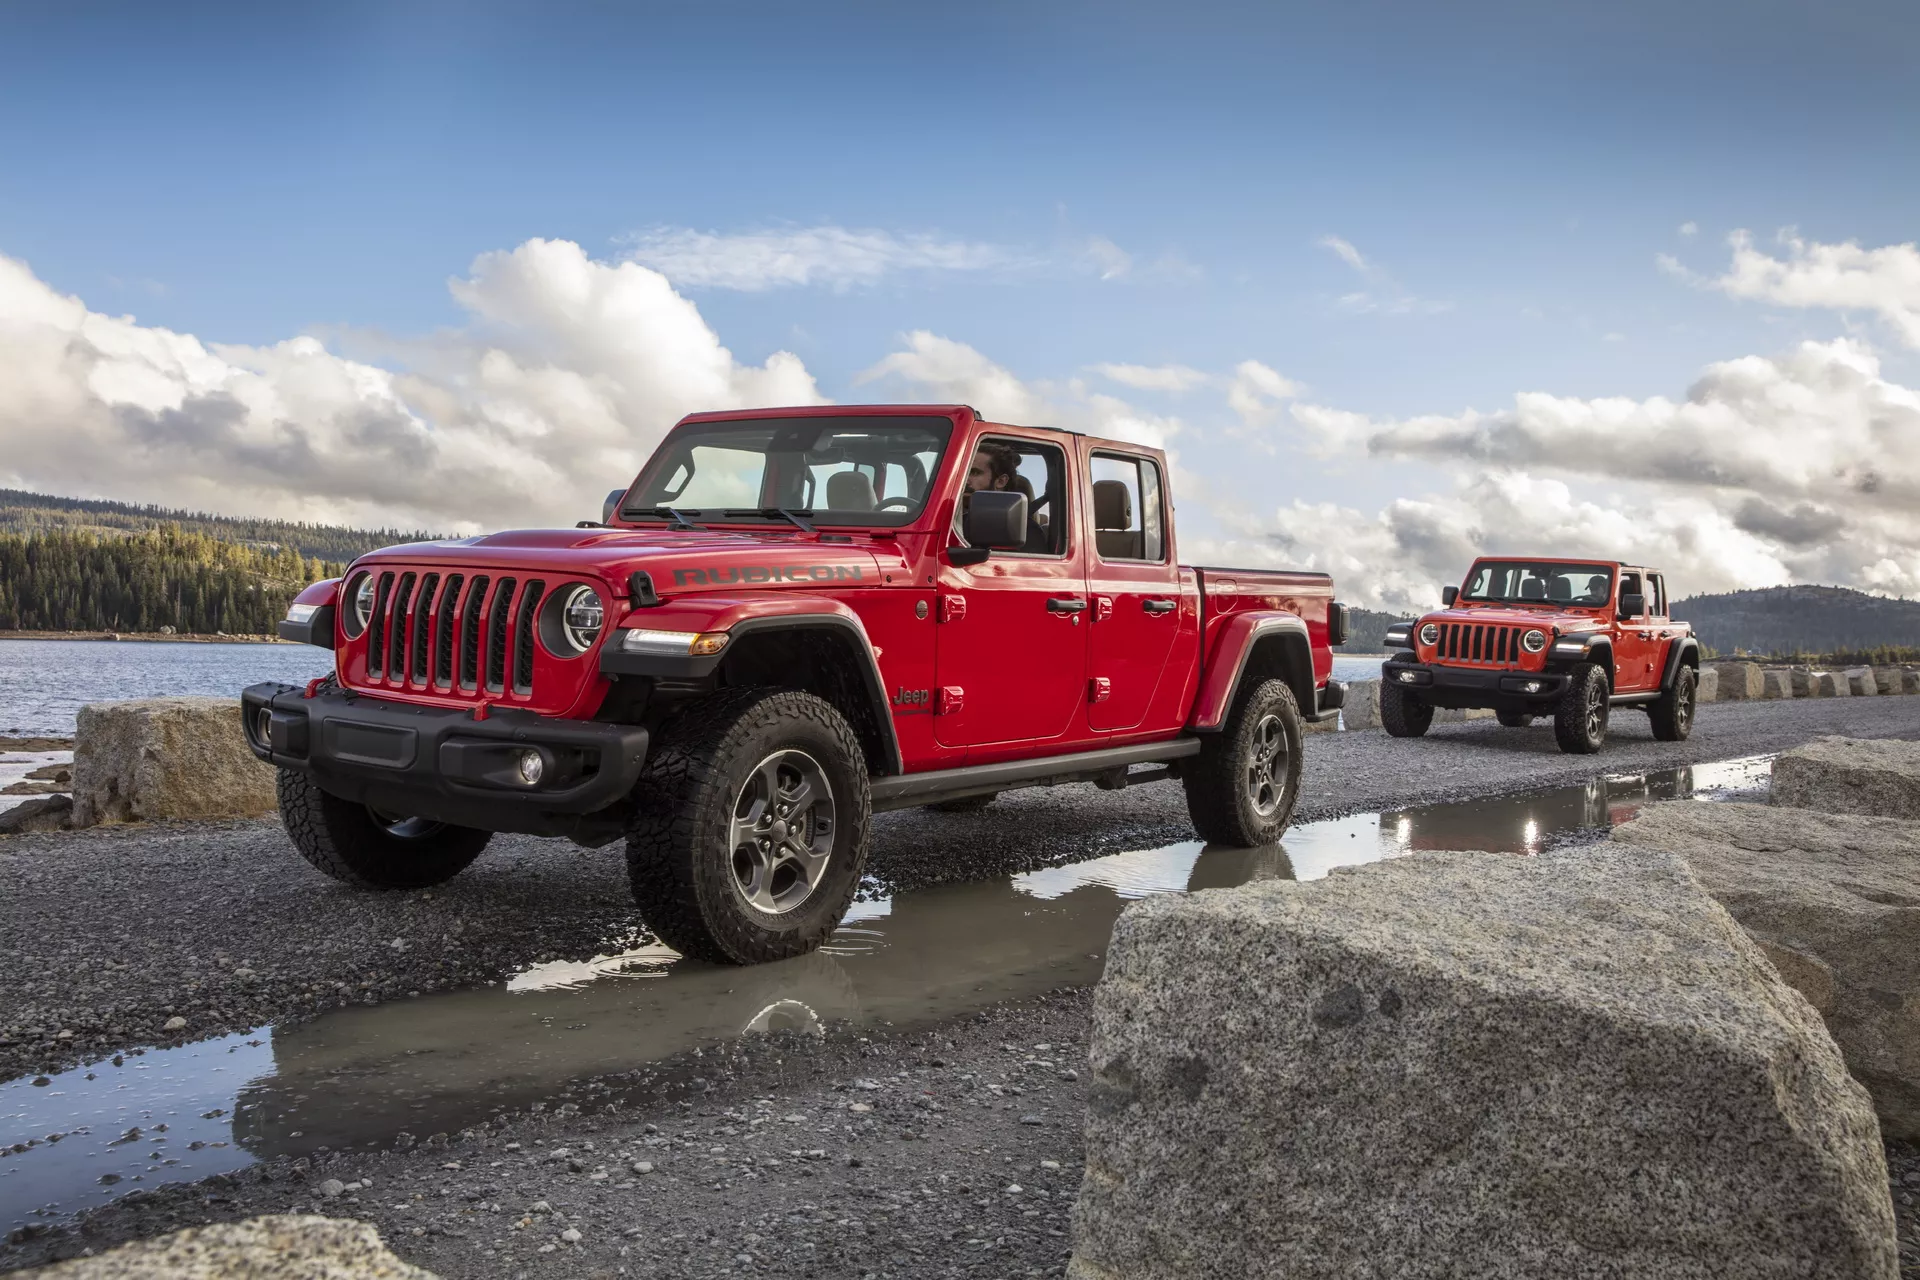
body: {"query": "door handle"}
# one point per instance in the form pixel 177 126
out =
pixel 1065 604
pixel 1159 606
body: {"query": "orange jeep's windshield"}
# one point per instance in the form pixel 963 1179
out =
pixel 851 470
pixel 1521 582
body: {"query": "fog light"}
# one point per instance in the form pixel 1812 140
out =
pixel 263 726
pixel 1406 677
pixel 530 767
pixel 1533 686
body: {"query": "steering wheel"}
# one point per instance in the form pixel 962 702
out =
pixel 904 503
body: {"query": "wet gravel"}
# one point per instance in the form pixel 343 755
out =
pixel 949 1153
pixel 111 935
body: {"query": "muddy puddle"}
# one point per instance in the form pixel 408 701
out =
pixel 361 1076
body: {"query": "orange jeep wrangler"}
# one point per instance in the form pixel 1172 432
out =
pixel 1571 639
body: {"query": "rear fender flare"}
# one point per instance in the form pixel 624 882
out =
pixel 1267 644
pixel 1684 652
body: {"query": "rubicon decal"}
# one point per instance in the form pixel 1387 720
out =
pixel 766 573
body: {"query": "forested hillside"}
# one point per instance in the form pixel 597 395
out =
pixel 22 512
pixel 65 580
pixel 1367 630
pixel 1801 620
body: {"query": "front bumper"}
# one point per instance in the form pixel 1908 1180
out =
pixel 1501 688
pixel 441 763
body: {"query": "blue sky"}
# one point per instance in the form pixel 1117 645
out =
pixel 1131 184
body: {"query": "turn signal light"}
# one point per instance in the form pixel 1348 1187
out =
pixel 708 643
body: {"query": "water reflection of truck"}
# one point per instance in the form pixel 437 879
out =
pixel 439 1064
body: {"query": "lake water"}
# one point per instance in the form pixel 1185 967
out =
pixel 43 683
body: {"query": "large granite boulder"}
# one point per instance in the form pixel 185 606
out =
pixel 1362 710
pixel 1861 682
pixel 1777 683
pixel 1909 681
pixel 1878 776
pixel 282 1247
pixel 165 758
pixel 1739 681
pixel 1834 901
pixel 1831 684
pixel 1887 680
pixel 1803 680
pixel 1706 686
pixel 1468 1064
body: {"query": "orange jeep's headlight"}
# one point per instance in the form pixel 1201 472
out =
pixel 1430 634
pixel 1534 641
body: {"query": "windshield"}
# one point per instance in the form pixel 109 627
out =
pixel 852 470
pixel 1518 582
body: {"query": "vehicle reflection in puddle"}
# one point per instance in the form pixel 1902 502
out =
pixel 361 1076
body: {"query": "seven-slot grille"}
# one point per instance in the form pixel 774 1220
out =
pixel 460 633
pixel 1469 642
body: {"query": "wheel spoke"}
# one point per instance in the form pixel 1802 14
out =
pixel 783 831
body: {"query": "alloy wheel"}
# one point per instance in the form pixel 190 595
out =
pixel 783 832
pixel 1267 769
pixel 1596 710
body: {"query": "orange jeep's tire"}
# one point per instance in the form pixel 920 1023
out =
pixel 1514 719
pixel 1242 787
pixel 967 804
pixel 1401 714
pixel 369 850
pixel 1580 721
pixel 750 826
pixel 1672 715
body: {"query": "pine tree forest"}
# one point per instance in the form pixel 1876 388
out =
pixel 146 581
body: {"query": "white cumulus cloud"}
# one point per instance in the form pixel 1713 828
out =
pixel 837 257
pixel 1808 273
pixel 1157 377
pixel 558 388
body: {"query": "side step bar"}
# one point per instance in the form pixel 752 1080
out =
pixel 908 790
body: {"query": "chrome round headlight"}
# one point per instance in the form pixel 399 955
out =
pixel 1430 634
pixel 362 609
pixel 1534 641
pixel 581 617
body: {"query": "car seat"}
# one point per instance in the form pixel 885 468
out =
pixel 1533 589
pixel 850 491
pixel 1113 531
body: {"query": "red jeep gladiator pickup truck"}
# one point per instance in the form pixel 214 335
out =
pixel 792 619
pixel 1571 639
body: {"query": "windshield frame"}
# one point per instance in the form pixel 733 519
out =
pixel 1543 569
pixel 806 432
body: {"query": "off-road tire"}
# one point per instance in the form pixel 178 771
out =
pixel 1222 781
pixel 1580 721
pixel 348 842
pixel 680 851
pixel 966 804
pixel 1672 714
pixel 1514 719
pixel 1401 714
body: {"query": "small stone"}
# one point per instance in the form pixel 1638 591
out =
pixel 796 1119
pixel 64 1035
pixel 1014 1189
pixel 175 1023
pixel 572 1235
pixel 643 1166
pixel 332 1188
pixel 1049 1164
pixel 1032 1119
pixel 541 1206
pixel 859 1108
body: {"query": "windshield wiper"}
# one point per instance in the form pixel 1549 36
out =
pixel 799 518
pixel 676 518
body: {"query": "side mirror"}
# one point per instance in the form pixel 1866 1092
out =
pixel 996 518
pixel 611 505
pixel 1631 605
pixel 1448 595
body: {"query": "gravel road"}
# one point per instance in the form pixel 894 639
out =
pixel 112 933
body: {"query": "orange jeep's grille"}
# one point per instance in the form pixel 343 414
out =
pixel 463 634
pixel 1466 642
